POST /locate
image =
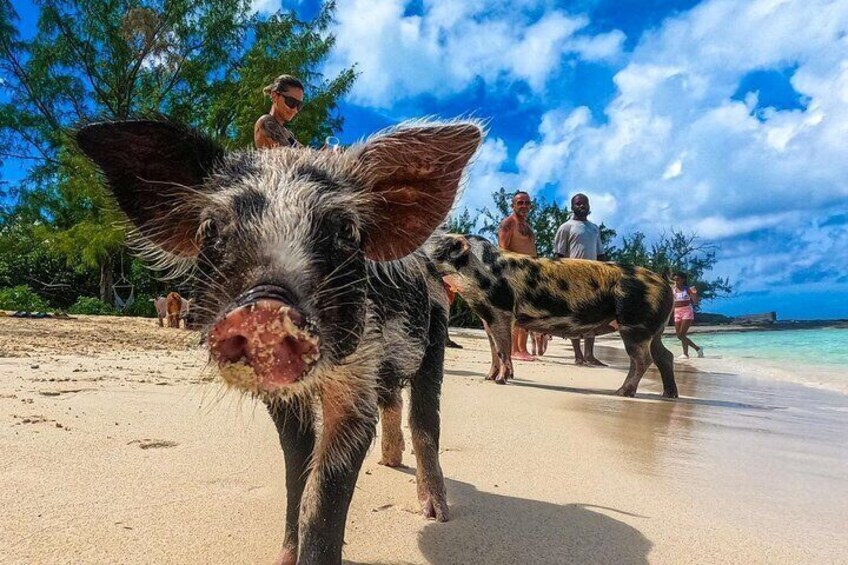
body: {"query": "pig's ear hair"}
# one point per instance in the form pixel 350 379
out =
pixel 413 174
pixel 153 168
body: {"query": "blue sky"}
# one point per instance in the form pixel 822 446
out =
pixel 721 117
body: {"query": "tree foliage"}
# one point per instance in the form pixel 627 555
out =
pixel 462 222
pixel 673 252
pixel 26 260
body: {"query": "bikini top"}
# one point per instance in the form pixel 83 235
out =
pixel 681 295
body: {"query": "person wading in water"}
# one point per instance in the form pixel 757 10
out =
pixel 684 312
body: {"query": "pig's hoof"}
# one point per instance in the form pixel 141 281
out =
pixel 672 394
pixel 490 377
pixel 287 557
pixel 500 381
pixel 624 391
pixel 392 461
pixel 435 508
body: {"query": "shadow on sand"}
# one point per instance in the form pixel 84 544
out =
pixel 490 528
pixel 461 373
pixel 687 380
pixel 647 396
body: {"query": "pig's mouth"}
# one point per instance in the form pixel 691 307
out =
pixel 264 344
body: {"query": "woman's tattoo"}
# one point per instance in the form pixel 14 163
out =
pixel 277 132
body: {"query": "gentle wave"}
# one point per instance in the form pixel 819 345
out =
pixel 816 358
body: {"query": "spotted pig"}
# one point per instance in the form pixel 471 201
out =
pixel 566 297
pixel 311 288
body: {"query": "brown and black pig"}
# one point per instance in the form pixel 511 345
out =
pixel 311 288
pixel 565 297
pixel 173 307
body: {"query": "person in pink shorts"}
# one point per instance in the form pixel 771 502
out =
pixel 684 314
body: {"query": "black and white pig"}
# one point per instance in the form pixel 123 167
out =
pixel 311 288
pixel 565 297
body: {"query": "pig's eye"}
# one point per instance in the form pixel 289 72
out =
pixel 211 233
pixel 346 234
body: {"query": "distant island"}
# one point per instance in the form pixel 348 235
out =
pixel 764 320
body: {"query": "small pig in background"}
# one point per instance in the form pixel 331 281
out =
pixel 311 289
pixel 173 308
pixel 566 298
pixel 161 305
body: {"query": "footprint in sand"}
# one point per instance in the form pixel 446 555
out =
pixel 153 443
pixel 34 419
pixel 37 419
pixel 65 391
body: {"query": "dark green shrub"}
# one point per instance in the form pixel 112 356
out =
pixel 142 306
pixel 21 297
pixel 91 305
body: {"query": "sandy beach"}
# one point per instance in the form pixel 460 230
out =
pixel 119 446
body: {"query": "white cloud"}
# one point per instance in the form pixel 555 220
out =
pixel 719 227
pixel 266 6
pixel 678 152
pixel 674 170
pixel 441 51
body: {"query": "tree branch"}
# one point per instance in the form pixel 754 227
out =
pixel 23 79
pixel 92 76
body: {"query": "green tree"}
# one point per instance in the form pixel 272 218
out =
pixel 462 222
pixel 25 260
pixel 203 63
pixel 672 252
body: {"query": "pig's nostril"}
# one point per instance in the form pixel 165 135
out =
pixel 232 349
pixel 296 318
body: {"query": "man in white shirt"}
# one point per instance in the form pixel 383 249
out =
pixel 578 238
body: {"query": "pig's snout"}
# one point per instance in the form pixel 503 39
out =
pixel 264 345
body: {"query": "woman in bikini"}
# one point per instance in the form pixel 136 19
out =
pixel 684 313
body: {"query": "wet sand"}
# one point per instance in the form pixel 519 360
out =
pixel 118 447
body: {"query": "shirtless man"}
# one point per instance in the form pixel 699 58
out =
pixel 515 235
pixel 270 130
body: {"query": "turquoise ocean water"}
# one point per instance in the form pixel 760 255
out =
pixel 820 347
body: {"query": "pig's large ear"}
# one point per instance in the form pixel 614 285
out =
pixel 414 174
pixel 153 168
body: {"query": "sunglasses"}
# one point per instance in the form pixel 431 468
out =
pixel 291 102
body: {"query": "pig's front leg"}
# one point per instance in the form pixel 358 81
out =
pixel 296 428
pixel 391 410
pixel 495 368
pixel 347 430
pixel 500 331
pixel 425 425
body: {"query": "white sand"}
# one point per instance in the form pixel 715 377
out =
pixel 115 450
